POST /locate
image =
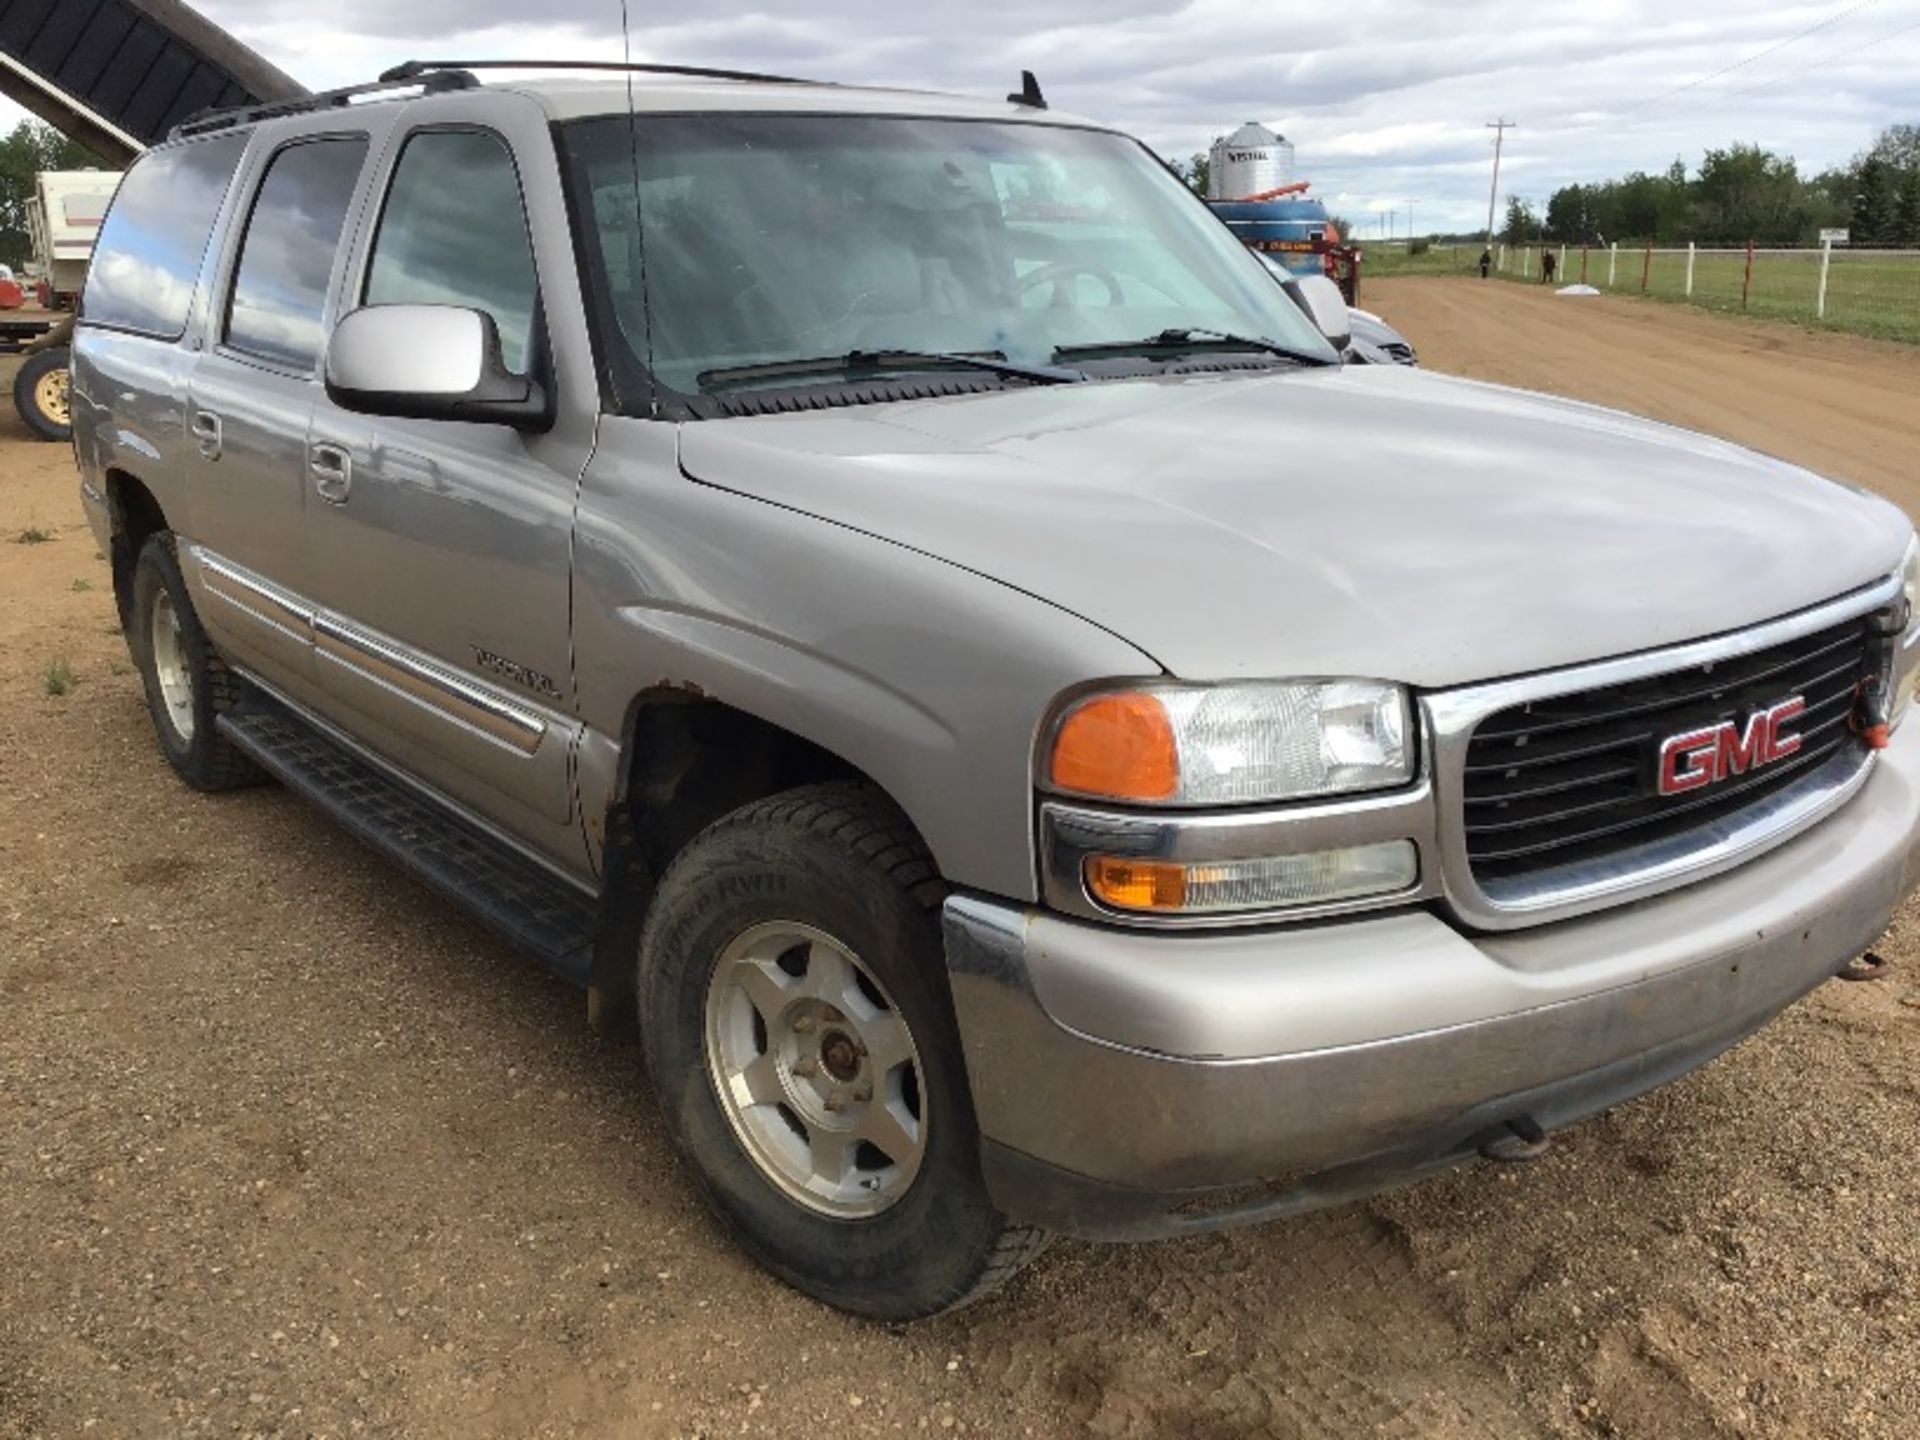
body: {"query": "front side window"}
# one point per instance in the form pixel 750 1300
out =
pixel 725 241
pixel 279 299
pixel 454 232
pixel 147 259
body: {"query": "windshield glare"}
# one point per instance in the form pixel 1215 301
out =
pixel 762 238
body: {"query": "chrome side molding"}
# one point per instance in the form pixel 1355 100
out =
pixel 428 684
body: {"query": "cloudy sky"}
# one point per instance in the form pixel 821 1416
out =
pixel 1384 101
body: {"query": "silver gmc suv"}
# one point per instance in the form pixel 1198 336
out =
pixel 889 596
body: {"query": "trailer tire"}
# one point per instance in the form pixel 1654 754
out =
pixel 40 394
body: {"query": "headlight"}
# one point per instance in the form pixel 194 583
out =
pixel 1233 744
pixel 1906 660
pixel 1910 580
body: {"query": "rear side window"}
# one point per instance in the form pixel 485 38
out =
pixel 280 285
pixel 455 233
pixel 148 256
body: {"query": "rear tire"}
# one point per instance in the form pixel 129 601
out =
pixel 187 683
pixel 793 1001
pixel 40 394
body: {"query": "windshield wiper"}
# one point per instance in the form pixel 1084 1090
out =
pixel 1191 337
pixel 859 361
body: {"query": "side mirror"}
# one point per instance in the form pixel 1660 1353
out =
pixel 429 362
pixel 1323 303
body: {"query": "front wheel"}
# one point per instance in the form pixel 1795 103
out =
pixel 797 1030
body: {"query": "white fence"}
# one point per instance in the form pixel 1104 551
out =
pixel 1872 291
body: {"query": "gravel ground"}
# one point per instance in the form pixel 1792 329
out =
pixel 290 1148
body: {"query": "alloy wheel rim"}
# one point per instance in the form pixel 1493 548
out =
pixel 816 1070
pixel 171 668
pixel 50 394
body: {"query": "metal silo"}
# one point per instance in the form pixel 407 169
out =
pixel 1250 160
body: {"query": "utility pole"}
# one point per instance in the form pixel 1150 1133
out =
pixel 1499 128
pixel 1410 220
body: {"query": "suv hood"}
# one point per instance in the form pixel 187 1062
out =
pixel 1373 521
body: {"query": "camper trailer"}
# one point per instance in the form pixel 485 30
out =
pixel 63 217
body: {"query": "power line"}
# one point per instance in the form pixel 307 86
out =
pixel 1819 64
pixel 1758 55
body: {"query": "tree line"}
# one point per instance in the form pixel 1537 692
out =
pixel 1739 193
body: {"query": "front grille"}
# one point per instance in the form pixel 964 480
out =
pixel 1571 779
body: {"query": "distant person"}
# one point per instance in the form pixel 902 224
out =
pixel 1486 263
pixel 1547 261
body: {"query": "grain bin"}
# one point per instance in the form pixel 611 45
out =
pixel 1248 161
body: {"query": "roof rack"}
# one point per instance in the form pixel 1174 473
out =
pixel 414 70
pixel 210 120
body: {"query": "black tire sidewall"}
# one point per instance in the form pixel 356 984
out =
pixel 928 1250
pixel 26 381
pixel 197 761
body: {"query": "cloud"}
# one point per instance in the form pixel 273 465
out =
pixel 1383 99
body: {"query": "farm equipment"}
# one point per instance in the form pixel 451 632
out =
pixel 1282 224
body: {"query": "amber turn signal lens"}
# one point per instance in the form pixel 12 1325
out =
pixel 1137 884
pixel 1117 745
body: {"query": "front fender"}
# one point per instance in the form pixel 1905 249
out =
pixel 927 677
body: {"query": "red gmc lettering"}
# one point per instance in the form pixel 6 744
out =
pixel 1698 758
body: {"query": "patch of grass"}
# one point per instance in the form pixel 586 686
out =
pixel 81 585
pixel 60 677
pixel 33 535
pixel 1869 292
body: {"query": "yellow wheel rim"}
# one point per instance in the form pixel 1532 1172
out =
pixel 50 394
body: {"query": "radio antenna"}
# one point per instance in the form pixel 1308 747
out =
pixel 639 221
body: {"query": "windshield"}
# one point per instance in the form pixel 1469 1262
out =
pixel 761 238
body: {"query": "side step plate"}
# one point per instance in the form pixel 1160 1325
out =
pixel 534 909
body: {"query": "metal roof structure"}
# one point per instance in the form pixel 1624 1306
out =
pixel 117 75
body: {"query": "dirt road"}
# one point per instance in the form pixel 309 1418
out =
pixel 1837 403
pixel 288 1147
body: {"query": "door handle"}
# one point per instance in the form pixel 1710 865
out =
pixel 332 470
pixel 206 433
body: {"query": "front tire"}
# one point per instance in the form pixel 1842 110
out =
pixel 187 683
pixel 798 1034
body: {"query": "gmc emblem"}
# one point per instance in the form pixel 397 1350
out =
pixel 1705 757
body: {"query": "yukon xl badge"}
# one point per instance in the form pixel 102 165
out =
pixel 1695 759
pixel 519 674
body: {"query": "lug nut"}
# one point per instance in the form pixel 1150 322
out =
pixel 802 1024
pixel 864 1093
pixel 806 1067
pixel 836 1102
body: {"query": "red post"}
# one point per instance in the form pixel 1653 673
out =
pixel 1584 250
pixel 1746 285
pixel 1646 266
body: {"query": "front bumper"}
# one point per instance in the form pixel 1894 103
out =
pixel 1132 1084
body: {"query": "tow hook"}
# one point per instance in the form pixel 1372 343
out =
pixel 1519 1141
pixel 1869 965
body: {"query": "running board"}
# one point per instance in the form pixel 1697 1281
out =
pixel 536 910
